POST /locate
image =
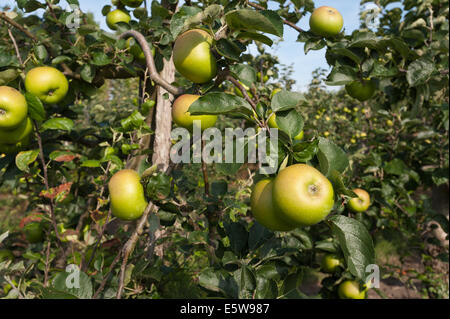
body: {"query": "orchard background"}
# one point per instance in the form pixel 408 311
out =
pixel 197 237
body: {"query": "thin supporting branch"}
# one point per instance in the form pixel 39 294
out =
pixel 47 264
pixel 13 286
pixel 154 75
pixel 130 245
pixel 94 251
pixel 4 17
pixel 51 10
pixel 15 46
pixel 243 90
pixel 430 9
pixel 44 168
pixel 106 278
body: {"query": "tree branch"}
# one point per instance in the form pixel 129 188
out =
pixel 130 244
pixel 15 46
pixel 154 75
pixel 4 17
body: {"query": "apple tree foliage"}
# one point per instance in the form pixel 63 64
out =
pixel 199 239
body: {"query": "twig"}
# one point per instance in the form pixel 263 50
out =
pixel 13 286
pixel 243 90
pixel 51 10
pixel 130 244
pixel 431 28
pixel 154 75
pixel 94 251
pixel 15 46
pixel 52 208
pixel 47 257
pixel 105 279
pixel 4 17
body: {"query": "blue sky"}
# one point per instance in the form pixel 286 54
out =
pixel 289 51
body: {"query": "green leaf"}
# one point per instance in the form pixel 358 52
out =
pixel 419 71
pixel 338 184
pixel 135 121
pixel 285 100
pixel 229 49
pixel 245 73
pixel 246 281
pixel 178 20
pixel 258 235
pixel 396 167
pixel 91 163
pixel 305 151
pixel 355 242
pixel 100 59
pixel 341 75
pixel 219 188
pixel 331 157
pixel 251 20
pixel 290 122
pixel 158 186
pixel 35 107
pixel 355 57
pixel 266 288
pixel 24 159
pixel 77 286
pixel 255 36
pixel 8 75
pixel 59 123
pixel 87 73
pixel 41 52
pixel 238 236
pixel 381 71
pixel 313 44
pixel 220 103
pixel 61 59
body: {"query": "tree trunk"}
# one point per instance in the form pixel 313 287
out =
pixel 163 120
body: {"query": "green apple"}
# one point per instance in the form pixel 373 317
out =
pixel 6 254
pixel 47 83
pixel 132 3
pixel 389 123
pixel 127 195
pixel 361 90
pixel 18 134
pixel 263 209
pixel 326 21
pixel 192 56
pixel 350 289
pixel 117 16
pixel 330 263
pixel 273 124
pixel 361 203
pixel 13 108
pixel 302 195
pixel 183 118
